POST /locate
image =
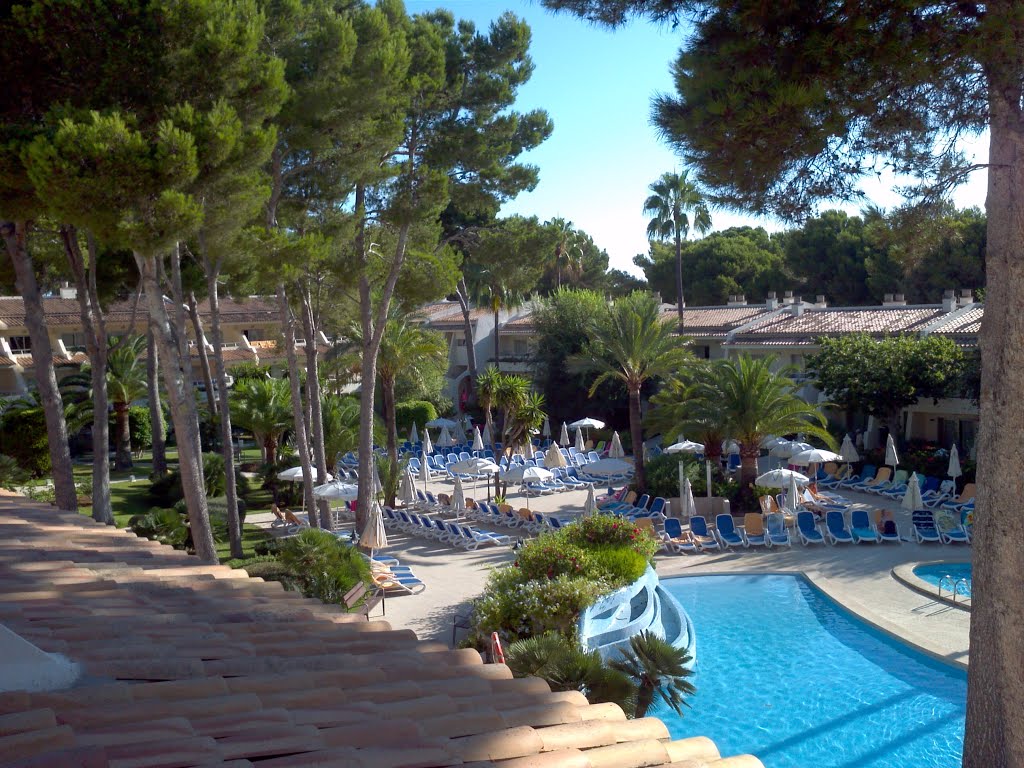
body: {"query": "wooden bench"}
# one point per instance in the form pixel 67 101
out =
pixel 354 595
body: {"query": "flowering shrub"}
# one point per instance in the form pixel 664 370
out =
pixel 518 608
pixel 551 556
pixel 611 529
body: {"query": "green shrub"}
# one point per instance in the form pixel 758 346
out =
pixel 11 472
pixel 164 525
pixel 23 437
pixel 413 411
pixel 620 565
pixel 167 490
pixel 326 567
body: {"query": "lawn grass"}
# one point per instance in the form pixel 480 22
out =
pixel 128 499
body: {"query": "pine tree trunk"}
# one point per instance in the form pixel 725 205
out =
pixel 156 411
pixel 387 393
pixel 995 685
pixel 316 414
pixel 96 345
pixel 636 431
pixel 224 410
pixel 301 441
pixel 497 341
pixel 462 292
pixel 183 409
pixel 15 234
pixel 204 358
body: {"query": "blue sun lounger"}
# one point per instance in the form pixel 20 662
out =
pixel 725 527
pixel 701 535
pixel 777 533
pixel 924 526
pixel 807 529
pixel 862 527
pixel 836 530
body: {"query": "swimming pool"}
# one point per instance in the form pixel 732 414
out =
pixel 787 675
pixel 933 572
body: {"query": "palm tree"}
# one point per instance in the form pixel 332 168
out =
pixel 673 195
pixel 632 344
pixel 487 384
pixel 527 415
pixel 567 667
pixel 754 401
pixel 405 349
pixel 264 407
pixel 676 410
pixel 658 669
pixel 127 381
pixel 568 252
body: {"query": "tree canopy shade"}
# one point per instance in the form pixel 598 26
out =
pixel 738 260
pixel 883 376
pixel 780 105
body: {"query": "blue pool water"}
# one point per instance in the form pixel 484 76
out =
pixel 787 675
pixel 933 572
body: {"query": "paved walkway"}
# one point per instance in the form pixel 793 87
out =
pixel 857 576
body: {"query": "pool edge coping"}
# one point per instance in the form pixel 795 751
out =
pixel 904 574
pixel 819 582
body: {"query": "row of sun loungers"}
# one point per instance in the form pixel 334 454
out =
pixel 447 531
pixel 770 531
pixel 880 481
pixel 391 577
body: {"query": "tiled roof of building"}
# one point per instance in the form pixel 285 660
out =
pixel 967 323
pixel 187 665
pixel 520 326
pixel 64 312
pixel 788 329
pixel 714 322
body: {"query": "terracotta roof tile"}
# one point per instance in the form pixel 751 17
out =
pixel 967 323
pixel 251 675
pixel 787 329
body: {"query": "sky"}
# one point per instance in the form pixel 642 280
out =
pixel 596 86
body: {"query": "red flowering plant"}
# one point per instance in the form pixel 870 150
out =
pixel 600 530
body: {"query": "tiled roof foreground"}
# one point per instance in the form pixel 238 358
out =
pixel 188 665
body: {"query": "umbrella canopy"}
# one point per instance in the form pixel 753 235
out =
pixel 954 470
pixel 546 429
pixel 788 449
pixel 590 505
pixel 848 450
pixel 473 466
pixel 689 505
pixel 891 459
pixel 912 498
pixel 792 495
pixel 444 423
pixel 587 423
pixel 427 447
pixel 294 475
pixel 685 446
pixel 414 435
pixel 526 474
pixel 407 492
pixel 607 467
pixel 374 536
pixel 337 491
pixel 580 446
pixel 458 497
pixel 730 446
pixel 615 450
pixel 563 438
pixel 478 439
pixel 779 478
pixel 459 434
pixel 445 438
pixel 813 456
pixel 554 458
pixel 768 441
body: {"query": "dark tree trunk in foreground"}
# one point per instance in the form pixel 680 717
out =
pixel 681 303
pixel 204 357
pixel 636 432
pixel 301 442
pixel 995 685
pixel 15 234
pixel 315 408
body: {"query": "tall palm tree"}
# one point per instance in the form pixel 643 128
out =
pixel 754 401
pixel 673 197
pixel 127 381
pixel 658 669
pixel 406 350
pixel 487 384
pixel 676 410
pixel 510 395
pixel 264 407
pixel 632 344
pixel 568 254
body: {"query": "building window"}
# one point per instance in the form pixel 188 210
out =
pixel 520 347
pixel 73 340
pixel 20 345
pixel 256 334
